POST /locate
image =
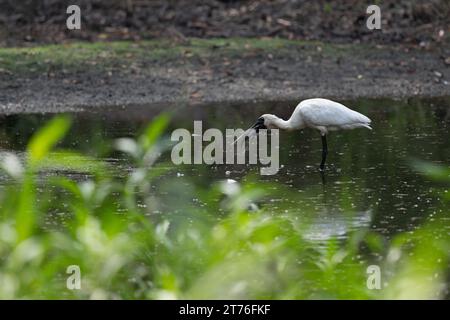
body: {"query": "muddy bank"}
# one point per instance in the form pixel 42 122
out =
pixel 83 76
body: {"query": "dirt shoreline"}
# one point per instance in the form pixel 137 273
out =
pixel 210 72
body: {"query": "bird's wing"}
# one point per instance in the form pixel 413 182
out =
pixel 323 112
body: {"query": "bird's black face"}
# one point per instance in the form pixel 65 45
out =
pixel 259 124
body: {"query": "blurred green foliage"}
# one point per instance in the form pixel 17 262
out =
pixel 104 227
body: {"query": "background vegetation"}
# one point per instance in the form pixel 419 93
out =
pixel 404 21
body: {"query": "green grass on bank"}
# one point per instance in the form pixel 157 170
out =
pixel 82 56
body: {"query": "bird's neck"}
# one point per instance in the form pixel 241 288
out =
pixel 283 124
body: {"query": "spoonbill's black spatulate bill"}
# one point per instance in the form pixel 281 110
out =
pixel 321 114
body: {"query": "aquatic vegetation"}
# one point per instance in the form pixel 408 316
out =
pixel 116 229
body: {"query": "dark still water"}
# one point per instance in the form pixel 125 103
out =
pixel 369 181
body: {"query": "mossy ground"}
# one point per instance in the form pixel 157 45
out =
pixel 81 55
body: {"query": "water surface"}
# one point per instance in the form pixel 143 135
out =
pixel 369 182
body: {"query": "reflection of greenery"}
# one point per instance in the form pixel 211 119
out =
pixel 128 247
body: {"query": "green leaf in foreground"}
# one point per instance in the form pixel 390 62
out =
pixel 154 131
pixel 433 171
pixel 46 138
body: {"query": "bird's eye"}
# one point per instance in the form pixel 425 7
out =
pixel 261 119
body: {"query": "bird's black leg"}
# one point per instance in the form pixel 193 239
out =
pixel 324 152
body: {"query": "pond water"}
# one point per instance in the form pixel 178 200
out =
pixel 369 181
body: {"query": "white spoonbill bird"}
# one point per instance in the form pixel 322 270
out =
pixel 321 114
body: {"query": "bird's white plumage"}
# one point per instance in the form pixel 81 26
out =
pixel 321 114
pixel 326 115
